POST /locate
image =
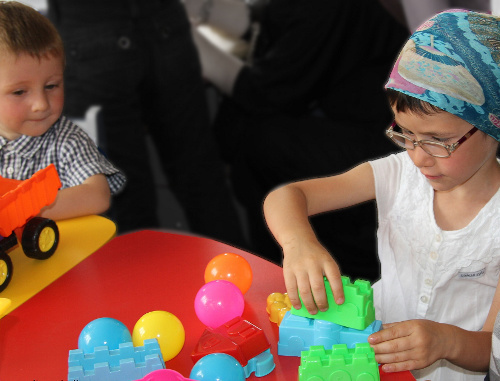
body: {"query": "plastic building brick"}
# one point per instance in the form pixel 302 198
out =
pixel 396 376
pixel 127 370
pixel 262 364
pixel 357 311
pixel 127 363
pixel 340 364
pixel 277 306
pixel 298 333
pixel 238 338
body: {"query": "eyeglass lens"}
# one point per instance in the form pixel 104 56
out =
pixel 405 142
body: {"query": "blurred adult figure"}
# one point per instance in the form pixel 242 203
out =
pixel 136 59
pixel 297 106
pixel 417 11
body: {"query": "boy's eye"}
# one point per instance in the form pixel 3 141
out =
pixel 18 92
pixel 52 86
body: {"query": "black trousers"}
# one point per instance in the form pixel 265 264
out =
pixel 137 60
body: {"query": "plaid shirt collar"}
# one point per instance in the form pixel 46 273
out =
pixel 25 146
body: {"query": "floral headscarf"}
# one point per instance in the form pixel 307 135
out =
pixel 452 62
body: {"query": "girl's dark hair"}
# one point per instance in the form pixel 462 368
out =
pixel 25 30
pixel 406 103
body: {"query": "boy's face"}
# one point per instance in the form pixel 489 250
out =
pixel 31 94
pixel 470 164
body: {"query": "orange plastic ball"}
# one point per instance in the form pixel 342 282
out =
pixel 231 267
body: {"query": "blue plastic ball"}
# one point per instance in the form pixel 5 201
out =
pixel 217 367
pixel 103 331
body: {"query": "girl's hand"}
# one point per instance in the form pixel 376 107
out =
pixel 304 265
pixel 412 344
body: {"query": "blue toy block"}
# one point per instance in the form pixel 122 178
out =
pixel 297 334
pixel 262 364
pixel 340 363
pixel 357 311
pixel 127 363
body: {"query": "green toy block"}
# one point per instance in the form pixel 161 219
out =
pixel 356 312
pixel 339 363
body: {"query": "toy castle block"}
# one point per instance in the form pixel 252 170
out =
pixel 127 363
pixel 298 333
pixel 357 311
pixel 339 363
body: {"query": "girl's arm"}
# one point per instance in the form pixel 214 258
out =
pixel 416 344
pixel 305 261
pixel 91 197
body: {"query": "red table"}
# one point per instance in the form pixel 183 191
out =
pixel 131 275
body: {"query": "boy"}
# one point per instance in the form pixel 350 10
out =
pixel 33 134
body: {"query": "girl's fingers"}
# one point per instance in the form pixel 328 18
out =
pixel 390 332
pixel 318 293
pixel 334 278
pixel 306 295
pixel 291 289
pixel 398 367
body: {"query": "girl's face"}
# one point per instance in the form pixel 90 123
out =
pixel 473 162
pixel 31 94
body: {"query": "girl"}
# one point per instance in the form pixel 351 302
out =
pixel 438 206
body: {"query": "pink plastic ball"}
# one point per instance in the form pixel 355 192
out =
pixel 164 375
pixel 217 302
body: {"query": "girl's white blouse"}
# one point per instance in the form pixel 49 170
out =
pixel 427 273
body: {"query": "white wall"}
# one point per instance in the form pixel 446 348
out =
pixel 40 5
pixel 495 7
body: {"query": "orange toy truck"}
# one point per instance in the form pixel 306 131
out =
pixel 20 202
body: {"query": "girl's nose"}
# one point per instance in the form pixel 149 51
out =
pixel 421 158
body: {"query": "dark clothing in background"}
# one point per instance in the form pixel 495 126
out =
pixel 313 104
pixel 137 60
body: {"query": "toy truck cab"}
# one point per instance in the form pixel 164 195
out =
pixel 20 202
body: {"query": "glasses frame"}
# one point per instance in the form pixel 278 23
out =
pixel 450 148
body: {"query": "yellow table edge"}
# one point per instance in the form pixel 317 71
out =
pixel 78 238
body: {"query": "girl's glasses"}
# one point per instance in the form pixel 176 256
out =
pixel 436 149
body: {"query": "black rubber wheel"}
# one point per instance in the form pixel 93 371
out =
pixel 5 270
pixel 40 238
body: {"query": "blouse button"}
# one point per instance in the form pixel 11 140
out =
pixel 10 170
pixel 438 238
pixel 428 282
pixel 124 43
pixel 424 299
pixel 433 255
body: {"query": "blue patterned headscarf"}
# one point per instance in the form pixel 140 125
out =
pixel 452 62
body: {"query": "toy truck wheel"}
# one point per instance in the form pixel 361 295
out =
pixel 5 270
pixel 40 238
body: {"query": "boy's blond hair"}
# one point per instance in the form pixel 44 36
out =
pixel 25 30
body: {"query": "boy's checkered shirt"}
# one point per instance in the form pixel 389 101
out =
pixel 65 145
